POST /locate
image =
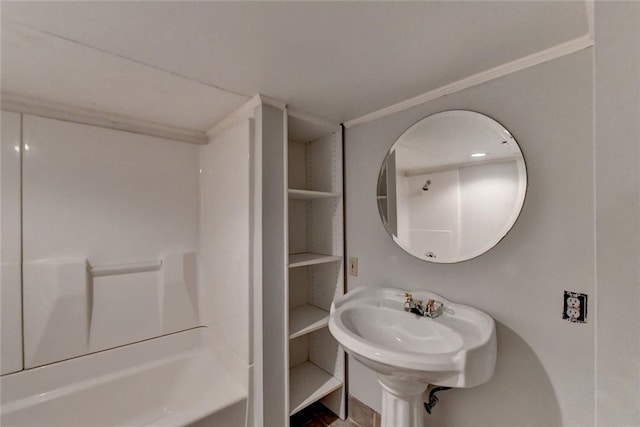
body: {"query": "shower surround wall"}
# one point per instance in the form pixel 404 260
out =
pixel 545 367
pixel 94 199
pixel 126 238
pixel 225 244
pixel 10 245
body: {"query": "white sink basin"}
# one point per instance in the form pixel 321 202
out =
pixel 407 351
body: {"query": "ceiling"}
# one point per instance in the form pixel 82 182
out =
pixel 189 64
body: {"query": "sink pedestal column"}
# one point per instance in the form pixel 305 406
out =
pixel 402 403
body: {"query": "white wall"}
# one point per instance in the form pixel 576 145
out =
pixel 545 368
pixel 617 182
pixel 10 245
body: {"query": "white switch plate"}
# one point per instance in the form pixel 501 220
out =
pixel 353 266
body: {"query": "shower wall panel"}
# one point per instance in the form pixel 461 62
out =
pixel 10 245
pixel 110 238
pixel 225 236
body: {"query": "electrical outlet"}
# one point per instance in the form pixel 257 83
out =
pixel 353 266
pixel 575 307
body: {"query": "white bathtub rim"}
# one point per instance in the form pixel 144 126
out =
pixel 187 349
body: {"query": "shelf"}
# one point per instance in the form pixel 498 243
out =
pixel 307 384
pixel 310 194
pixel 306 318
pixel 300 260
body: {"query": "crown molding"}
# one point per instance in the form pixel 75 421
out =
pixel 273 102
pixel 537 58
pixel 53 110
pixel 244 112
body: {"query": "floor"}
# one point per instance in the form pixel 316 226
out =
pixel 317 415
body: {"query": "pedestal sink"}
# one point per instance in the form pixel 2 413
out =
pixel 408 352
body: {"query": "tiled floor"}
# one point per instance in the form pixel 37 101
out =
pixel 317 415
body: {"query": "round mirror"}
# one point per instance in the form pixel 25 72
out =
pixel 451 186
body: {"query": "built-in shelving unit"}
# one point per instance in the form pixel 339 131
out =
pixel 302 265
pixel 316 265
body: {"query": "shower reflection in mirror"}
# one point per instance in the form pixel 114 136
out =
pixel 481 183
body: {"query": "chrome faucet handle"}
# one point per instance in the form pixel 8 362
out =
pixel 408 302
pixel 434 304
pixel 433 307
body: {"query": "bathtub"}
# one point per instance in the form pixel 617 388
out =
pixel 173 380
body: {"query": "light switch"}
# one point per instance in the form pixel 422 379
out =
pixel 353 266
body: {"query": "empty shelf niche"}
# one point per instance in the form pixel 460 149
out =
pixel 308 384
pixel 316 369
pixel 305 319
pixel 315 227
pixel 311 292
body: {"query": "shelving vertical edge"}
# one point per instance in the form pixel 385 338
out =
pixel 275 254
pixel 336 401
pixel 285 284
pixel 255 409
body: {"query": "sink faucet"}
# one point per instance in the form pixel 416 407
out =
pixel 431 309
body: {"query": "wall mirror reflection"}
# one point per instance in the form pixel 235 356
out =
pixel 452 186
